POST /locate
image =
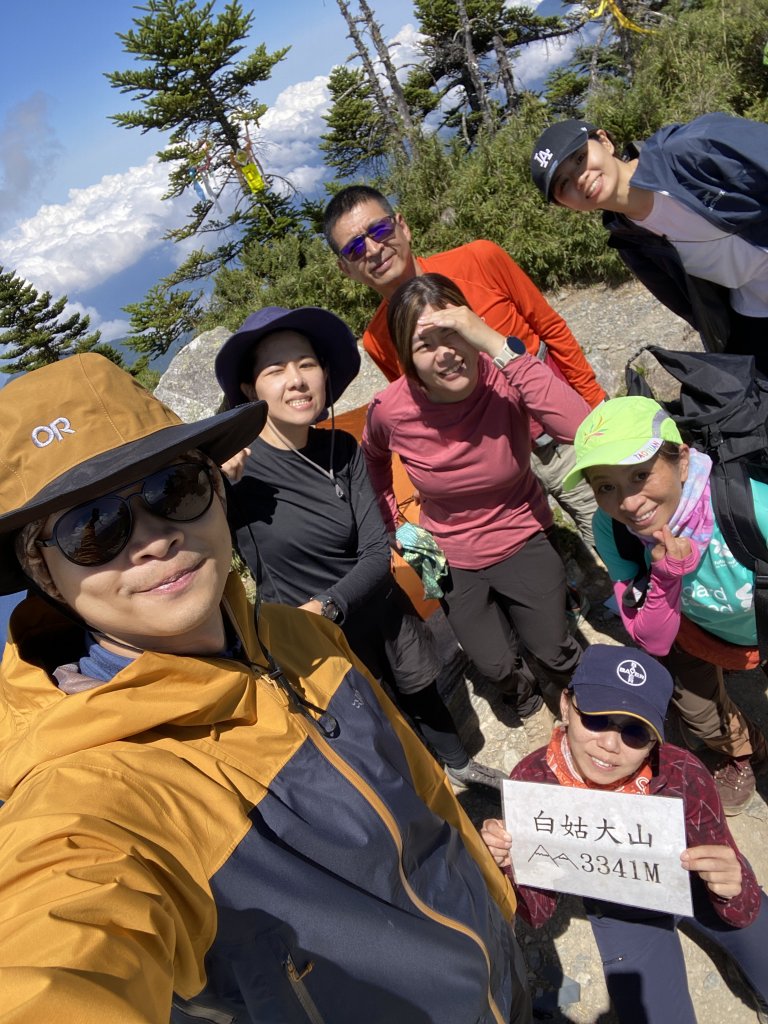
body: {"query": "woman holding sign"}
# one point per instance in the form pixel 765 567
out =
pixel 612 739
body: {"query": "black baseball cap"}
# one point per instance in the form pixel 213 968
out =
pixel 553 146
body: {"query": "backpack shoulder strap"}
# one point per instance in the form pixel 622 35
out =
pixel 734 508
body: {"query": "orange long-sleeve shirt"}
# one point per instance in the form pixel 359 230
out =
pixel 500 292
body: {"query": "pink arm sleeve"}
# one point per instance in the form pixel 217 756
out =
pixel 654 625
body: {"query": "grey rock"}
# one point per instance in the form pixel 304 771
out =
pixel 189 385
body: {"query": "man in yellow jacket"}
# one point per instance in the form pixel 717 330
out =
pixel 209 813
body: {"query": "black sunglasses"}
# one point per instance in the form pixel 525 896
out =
pixel 379 231
pixel 97 531
pixel 633 733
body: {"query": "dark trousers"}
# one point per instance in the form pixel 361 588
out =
pixel 522 596
pixel 643 959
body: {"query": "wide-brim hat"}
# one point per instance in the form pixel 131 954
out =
pixel 620 432
pixel 332 340
pixel 612 680
pixel 554 145
pixel 80 427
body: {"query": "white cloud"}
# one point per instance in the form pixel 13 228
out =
pixel 100 231
pixel 111 330
pixel 306 179
pixel 536 60
pixel 290 131
pixel 107 227
pixel 405 49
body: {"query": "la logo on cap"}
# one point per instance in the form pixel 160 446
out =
pixel 631 672
pixel 543 157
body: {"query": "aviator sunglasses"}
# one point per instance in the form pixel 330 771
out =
pixel 379 231
pixel 634 734
pixel 97 531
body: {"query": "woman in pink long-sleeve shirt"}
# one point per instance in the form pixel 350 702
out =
pixel 459 420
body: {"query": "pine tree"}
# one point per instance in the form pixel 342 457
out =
pixel 32 328
pixel 468 55
pixel 160 320
pixel 357 136
pixel 190 83
pixel 701 56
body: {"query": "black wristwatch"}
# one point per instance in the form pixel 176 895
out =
pixel 329 609
pixel 513 349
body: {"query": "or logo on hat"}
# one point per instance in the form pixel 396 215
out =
pixel 631 672
pixel 543 157
pixel 43 435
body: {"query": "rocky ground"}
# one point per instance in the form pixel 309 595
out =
pixel 566 975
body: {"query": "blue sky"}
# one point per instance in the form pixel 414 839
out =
pixel 80 207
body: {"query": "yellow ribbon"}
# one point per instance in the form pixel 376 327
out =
pixel 612 7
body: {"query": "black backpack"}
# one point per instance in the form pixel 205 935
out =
pixel 722 411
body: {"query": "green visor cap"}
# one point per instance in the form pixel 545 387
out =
pixel 621 432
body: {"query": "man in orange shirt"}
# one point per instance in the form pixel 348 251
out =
pixel 373 244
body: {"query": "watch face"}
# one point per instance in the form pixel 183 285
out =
pixel 516 346
pixel 331 611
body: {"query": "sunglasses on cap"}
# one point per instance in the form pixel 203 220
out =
pixel 379 231
pixel 633 733
pixel 95 532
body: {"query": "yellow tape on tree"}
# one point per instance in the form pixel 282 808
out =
pixel 612 7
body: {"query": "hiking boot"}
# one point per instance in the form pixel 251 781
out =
pixel 735 783
pixel 538 728
pixel 475 774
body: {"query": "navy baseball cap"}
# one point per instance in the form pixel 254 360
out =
pixel 623 681
pixel 553 146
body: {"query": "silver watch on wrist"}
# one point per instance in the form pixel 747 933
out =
pixel 513 349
